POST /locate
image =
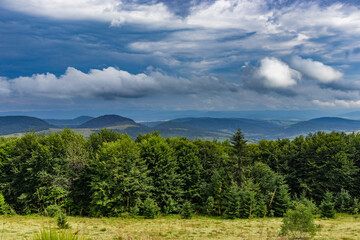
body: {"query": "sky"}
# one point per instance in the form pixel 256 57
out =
pixel 109 56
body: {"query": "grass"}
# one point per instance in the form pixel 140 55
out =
pixel 172 227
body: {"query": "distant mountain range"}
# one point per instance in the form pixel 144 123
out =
pixel 202 127
pixel 18 124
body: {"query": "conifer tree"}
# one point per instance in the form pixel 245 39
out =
pixel 327 206
pixel 240 156
pixel 186 211
pixel 150 208
pixel 232 206
pixel 281 201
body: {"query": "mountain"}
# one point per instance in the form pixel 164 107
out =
pixel 69 122
pixel 19 124
pixel 321 124
pixel 107 121
pixel 252 129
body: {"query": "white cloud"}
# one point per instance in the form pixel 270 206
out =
pixel 277 74
pixel 113 11
pixel 324 103
pixel 315 70
pixel 338 103
pixel 110 83
pixel 4 87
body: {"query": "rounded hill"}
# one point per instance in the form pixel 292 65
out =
pixel 107 121
pixel 19 124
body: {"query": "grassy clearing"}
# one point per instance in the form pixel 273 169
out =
pixel 25 227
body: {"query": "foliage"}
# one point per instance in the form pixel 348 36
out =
pixel 210 206
pixel 170 206
pixel 281 201
pixel 109 174
pixel 327 206
pixel 298 223
pixel 344 202
pixel 150 208
pixel 62 221
pixel 186 211
pixel 53 210
pixel 4 207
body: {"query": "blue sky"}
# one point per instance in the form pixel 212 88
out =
pixel 113 55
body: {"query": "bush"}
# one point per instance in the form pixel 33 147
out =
pixel 150 208
pixel 308 203
pixel 53 210
pixel 298 223
pixel 4 207
pixel 186 211
pixel 62 220
pixel 170 206
pixel 327 206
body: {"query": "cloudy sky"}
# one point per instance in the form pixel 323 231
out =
pixel 113 55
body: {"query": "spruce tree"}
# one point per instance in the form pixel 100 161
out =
pixel 281 201
pixel 344 202
pixel 186 211
pixel 327 206
pixel 240 156
pixel 150 208
pixel 210 206
pixel 232 206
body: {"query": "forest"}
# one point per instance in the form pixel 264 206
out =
pixel 110 174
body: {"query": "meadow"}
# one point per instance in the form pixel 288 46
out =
pixel 172 227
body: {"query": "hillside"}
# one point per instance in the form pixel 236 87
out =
pixel 69 122
pixel 108 121
pixel 19 124
pixel 321 124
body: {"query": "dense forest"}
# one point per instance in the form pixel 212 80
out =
pixel 109 174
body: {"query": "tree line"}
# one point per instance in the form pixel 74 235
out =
pixel 109 174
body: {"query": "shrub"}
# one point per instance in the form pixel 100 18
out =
pixel 62 220
pixel 210 206
pixel 327 206
pixel 298 223
pixel 186 211
pixel 356 206
pixel 53 210
pixel 170 206
pixel 4 207
pixel 150 208
pixel 344 202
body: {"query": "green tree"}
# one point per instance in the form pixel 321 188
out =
pixel 186 211
pixel 163 168
pixel 240 156
pixel 119 178
pixel 344 202
pixel 232 204
pixel 327 206
pixel 281 201
pixel 150 208
pixel 210 206
pixel 298 223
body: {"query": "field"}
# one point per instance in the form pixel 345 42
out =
pixel 24 227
